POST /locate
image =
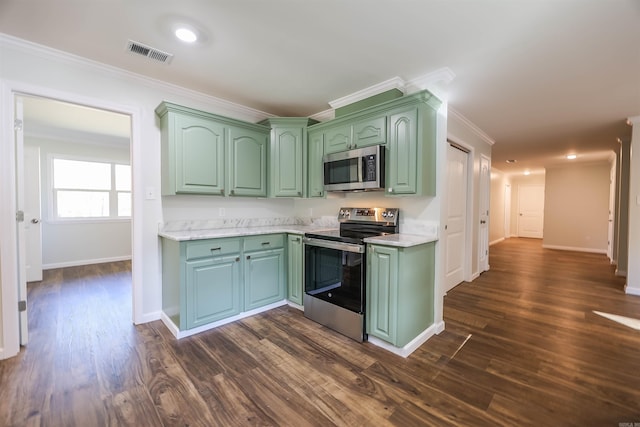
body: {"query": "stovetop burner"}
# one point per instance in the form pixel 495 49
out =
pixel 357 224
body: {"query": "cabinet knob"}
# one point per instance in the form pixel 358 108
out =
pixel 237 259
pixel 233 192
pixel 248 256
pixel 299 193
pixel 390 190
pixel 222 191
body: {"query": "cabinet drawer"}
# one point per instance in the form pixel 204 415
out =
pixel 268 241
pixel 212 247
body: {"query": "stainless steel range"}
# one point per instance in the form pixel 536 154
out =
pixel 335 268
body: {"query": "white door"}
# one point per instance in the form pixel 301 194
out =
pixel 612 203
pixel 32 214
pixel 530 211
pixel 507 211
pixel 20 204
pixel 456 216
pixel 483 236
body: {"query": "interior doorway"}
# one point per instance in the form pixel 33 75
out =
pixel 530 211
pixel 13 257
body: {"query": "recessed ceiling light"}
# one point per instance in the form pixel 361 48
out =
pixel 527 172
pixel 186 35
pixel 571 156
pixel 511 161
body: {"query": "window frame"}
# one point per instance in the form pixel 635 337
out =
pixel 113 193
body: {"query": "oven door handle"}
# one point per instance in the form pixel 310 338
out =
pixel 330 244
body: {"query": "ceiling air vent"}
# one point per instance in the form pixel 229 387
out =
pixel 149 52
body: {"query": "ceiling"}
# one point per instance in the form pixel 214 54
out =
pixel 540 78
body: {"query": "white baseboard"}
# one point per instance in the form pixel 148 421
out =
pixel 84 262
pixel 576 249
pixel 631 291
pixel 621 273
pixel 412 346
pixel 496 241
pixel 294 305
pixel 149 317
pixel 176 332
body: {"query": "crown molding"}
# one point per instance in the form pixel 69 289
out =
pixel 324 116
pixel 468 123
pixel 432 82
pixel 392 83
pixel 45 52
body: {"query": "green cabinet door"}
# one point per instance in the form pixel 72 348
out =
pixel 264 278
pixel 294 268
pixel 212 289
pixel 337 139
pixel 247 162
pixel 192 155
pixel 400 292
pixel 402 161
pixel 315 166
pixel 370 131
pixel 382 292
pixel 286 161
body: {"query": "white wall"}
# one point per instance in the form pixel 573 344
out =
pixel 577 207
pixel 79 242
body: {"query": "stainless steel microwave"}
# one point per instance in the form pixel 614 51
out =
pixel 361 169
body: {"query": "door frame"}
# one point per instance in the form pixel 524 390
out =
pixel 468 224
pixel 9 262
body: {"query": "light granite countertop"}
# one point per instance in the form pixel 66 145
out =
pixel 399 240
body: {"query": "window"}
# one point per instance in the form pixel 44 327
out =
pixel 88 189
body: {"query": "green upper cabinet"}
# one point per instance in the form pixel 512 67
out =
pixel 402 161
pixel 315 170
pixel 247 162
pixel 288 156
pixel 370 131
pixel 337 138
pixel 192 153
pixel 203 153
pixel 406 126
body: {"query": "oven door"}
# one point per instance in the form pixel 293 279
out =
pixel 335 272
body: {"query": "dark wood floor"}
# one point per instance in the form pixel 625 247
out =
pixel 521 347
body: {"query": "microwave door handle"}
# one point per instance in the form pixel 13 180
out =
pixel 361 167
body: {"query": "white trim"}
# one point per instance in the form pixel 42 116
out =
pixel 392 83
pixel 631 290
pixel 85 262
pixel 8 246
pixel 621 273
pixel 294 305
pixel 496 241
pixel 176 332
pixel 324 116
pixel 46 52
pixel 475 129
pixel 430 82
pixel 576 249
pixel 412 346
pixel 8 229
pixel 635 120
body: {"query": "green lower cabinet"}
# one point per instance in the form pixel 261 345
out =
pixel 264 278
pixel 213 290
pixel 294 268
pixel 400 288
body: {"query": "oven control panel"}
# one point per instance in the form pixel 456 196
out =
pixel 384 215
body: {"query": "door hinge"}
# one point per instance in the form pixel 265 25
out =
pixel 17 124
pixel 20 216
pixel 22 305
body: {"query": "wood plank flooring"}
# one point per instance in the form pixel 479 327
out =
pixel 522 346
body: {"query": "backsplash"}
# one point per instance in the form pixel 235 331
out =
pixel 211 224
